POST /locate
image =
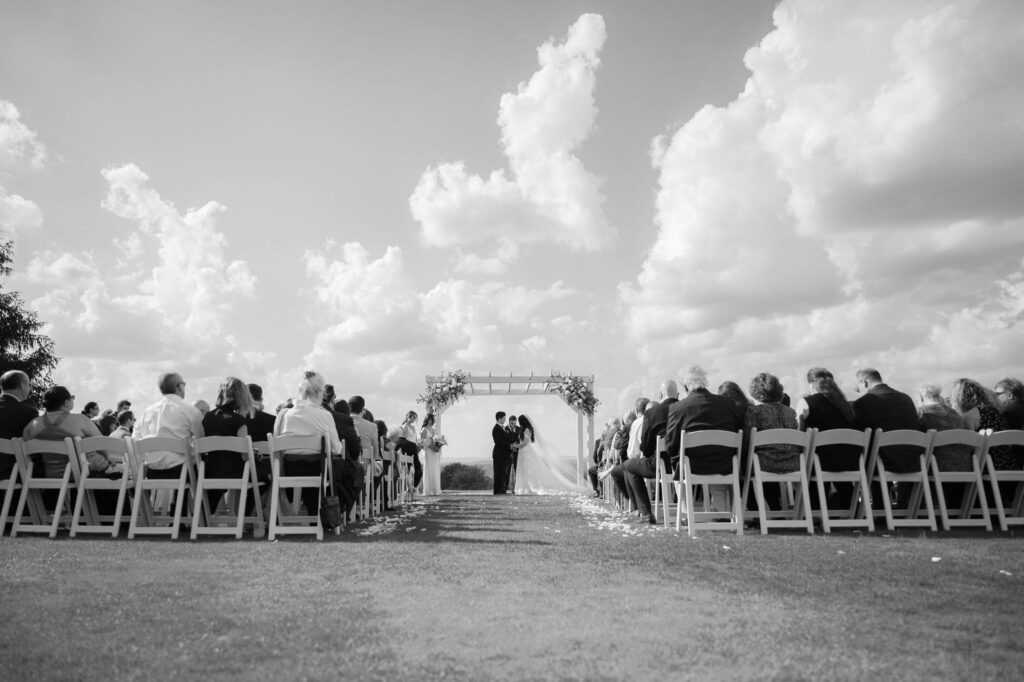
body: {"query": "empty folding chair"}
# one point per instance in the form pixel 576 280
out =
pixel 799 514
pixel 917 480
pixel 89 483
pixel 857 514
pixel 973 507
pixel 153 521
pixel 709 519
pixel 33 483
pixel 209 522
pixel 1009 511
pixel 294 523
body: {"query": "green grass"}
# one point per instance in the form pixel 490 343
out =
pixel 483 587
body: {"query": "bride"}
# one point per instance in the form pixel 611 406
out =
pixel 538 471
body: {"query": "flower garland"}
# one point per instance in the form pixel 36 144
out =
pixel 449 390
pixel 574 391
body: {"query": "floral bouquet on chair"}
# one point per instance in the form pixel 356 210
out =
pixel 437 442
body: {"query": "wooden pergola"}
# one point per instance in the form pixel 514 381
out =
pixel 533 384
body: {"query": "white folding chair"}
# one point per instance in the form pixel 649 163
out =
pixel 973 509
pixel 153 522
pixel 664 486
pixel 32 485
pixel 910 516
pixel 858 514
pixel 799 513
pixel 294 523
pixel 1014 514
pixel 209 522
pixel 11 484
pixel 709 519
pixel 89 484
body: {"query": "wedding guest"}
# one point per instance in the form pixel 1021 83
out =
pixel 411 434
pixel 977 406
pixel 596 459
pixel 632 472
pixel 125 424
pixel 202 406
pixel 343 423
pixel 57 423
pixel 1010 394
pixel 106 423
pixel 882 407
pixel 260 422
pixel 123 405
pixel 432 458
pixel 620 442
pixel 826 408
pixel 636 429
pixel 768 412
pixel 367 431
pixel 307 417
pixel 233 408
pixel 934 413
pixel 169 417
pixel 91 410
pixel 732 391
pixel 15 414
pixel 378 481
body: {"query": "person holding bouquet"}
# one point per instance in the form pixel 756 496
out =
pixel 431 442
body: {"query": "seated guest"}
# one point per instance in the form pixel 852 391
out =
pixel 769 413
pixel 367 432
pixel 378 481
pixel 620 443
pixel 732 391
pixel 636 430
pixel 934 413
pixel 1010 393
pixel 91 410
pixel 826 408
pixel 259 423
pixel 106 423
pixel 977 407
pixel 123 405
pixel 596 459
pixel 15 415
pixel 629 476
pixel 882 407
pixel 169 417
pixel 307 417
pixel 702 410
pixel 202 406
pixel 228 418
pixel 125 424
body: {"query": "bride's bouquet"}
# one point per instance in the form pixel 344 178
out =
pixel 438 442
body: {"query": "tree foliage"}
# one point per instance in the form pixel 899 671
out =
pixel 21 345
pixel 459 476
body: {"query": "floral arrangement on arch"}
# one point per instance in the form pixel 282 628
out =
pixel 449 390
pixel 574 391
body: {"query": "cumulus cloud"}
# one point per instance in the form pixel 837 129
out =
pixel 547 195
pixel 855 203
pixel 19 150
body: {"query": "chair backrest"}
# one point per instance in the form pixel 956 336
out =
pixel 6 446
pixel 696 439
pixel 958 437
pixel 261 448
pixel 999 438
pixel 38 446
pixel 285 443
pixel 240 444
pixel 861 439
pixel 796 437
pixel 180 446
pixel 101 443
pixel 903 437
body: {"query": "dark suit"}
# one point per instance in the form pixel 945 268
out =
pixel 259 425
pixel 629 476
pixel 885 408
pixel 14 417
pixel 502 457
pixel 702 410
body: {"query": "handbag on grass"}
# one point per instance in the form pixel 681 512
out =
pixel 330 505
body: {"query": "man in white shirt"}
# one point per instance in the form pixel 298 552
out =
pixel 169 417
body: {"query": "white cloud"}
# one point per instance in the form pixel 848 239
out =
pixel 17 214
pixel 858 202
pixel 547 195
pixel 19 146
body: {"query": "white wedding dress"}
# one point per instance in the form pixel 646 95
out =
pixel 539 473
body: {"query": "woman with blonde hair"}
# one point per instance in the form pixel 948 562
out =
pixel 977 405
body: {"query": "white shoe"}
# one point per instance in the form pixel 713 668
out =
pixel 601 475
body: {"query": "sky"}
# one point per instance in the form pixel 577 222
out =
pixel 384 191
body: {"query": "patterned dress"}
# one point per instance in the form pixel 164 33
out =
pixel 776 459
pixel 955 457
pixel 1002 456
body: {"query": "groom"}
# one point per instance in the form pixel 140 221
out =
pixel 502 454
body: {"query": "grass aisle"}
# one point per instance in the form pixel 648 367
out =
pixel 481 587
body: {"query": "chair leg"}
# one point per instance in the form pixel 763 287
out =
pixel 77 512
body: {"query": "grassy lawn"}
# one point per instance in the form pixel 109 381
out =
pixel 472 587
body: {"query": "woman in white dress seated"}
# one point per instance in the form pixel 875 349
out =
pixel 431 458
pixel 539 472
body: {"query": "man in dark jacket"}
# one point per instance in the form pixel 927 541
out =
pixel 633 472
pixel 15 414
pixel 885 408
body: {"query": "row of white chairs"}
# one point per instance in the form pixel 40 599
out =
pixel 147 517
pixel 920 511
